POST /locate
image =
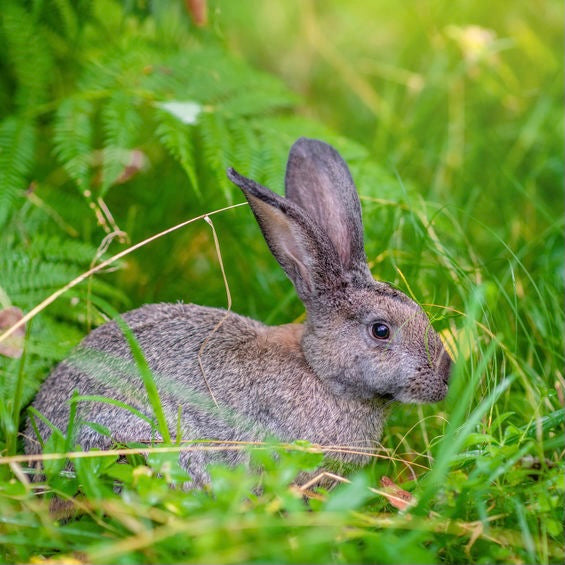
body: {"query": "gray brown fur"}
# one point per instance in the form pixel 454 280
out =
pixel 327 381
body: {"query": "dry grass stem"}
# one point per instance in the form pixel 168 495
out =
pixel 223 318
pixel 202 445
pixel 50 299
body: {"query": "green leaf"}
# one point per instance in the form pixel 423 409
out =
pixel 349 496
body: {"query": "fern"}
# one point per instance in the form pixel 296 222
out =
pixel 177 139
pixel 64 20
pixel 114 92
pixel 121 123
pixel 248 153
pixel 17 143
pixel 217 149
pixel 262 95
pixel 28 274
pixel 73 141
pixel 30 57
pixel 68 18
pixel 134 78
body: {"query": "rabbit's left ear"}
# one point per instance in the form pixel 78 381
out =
pixel 301 247
pixel 319 181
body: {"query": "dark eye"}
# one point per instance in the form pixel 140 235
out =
pixel 380 331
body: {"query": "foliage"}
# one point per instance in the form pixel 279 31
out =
pixel 117 120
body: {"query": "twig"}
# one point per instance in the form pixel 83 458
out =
pixel 319 477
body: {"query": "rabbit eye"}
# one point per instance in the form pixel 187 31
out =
pixel 380 331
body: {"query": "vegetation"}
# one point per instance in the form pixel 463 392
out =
pixel 118 120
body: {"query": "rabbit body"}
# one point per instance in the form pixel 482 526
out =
pixel 285 399
pixel 232 378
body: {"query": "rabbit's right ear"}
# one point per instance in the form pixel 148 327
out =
pixel 319 181
pixel 300 246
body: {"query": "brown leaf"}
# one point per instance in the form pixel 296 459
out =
pixel 198 11
pixel 12 346
pixel 398 497
pixel 136 162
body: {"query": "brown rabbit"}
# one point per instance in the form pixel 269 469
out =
pixel 328 381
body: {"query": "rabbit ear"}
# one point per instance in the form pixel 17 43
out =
pixel 302 249
pixel 319 181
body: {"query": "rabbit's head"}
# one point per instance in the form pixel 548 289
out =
pixel 362 337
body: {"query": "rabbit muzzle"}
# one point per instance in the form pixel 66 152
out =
pixel 430 384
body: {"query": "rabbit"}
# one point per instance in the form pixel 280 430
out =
pixel 329 381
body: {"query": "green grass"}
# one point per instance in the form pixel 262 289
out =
pixel 450 116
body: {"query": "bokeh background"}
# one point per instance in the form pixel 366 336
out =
pixel 118 120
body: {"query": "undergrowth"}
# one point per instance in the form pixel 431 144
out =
pixel 119 120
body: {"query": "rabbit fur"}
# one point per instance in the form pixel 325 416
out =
pixel 328 381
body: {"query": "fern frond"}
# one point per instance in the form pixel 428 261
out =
pixel 28 52
pixel 217 149
pixel 121 123
pixel 205 74
pixel 176 137
pixel 54 248
pixel 247 151
pixel 30 272
pixel 120 67
pixel 17 145
pixel 62 21
pixel 54 338
pixel 68 17
pixel 282 129
pixel 18 279
pixel 73 141
pixel 256 94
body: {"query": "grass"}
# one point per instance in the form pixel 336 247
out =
pixel 456 116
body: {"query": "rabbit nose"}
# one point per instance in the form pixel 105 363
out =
pixel 444 366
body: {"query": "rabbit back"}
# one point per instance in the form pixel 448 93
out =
pixel 284 399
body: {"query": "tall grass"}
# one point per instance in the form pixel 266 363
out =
pixel 456 112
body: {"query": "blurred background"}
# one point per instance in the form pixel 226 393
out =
pixel 459 103
pixel 119 118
